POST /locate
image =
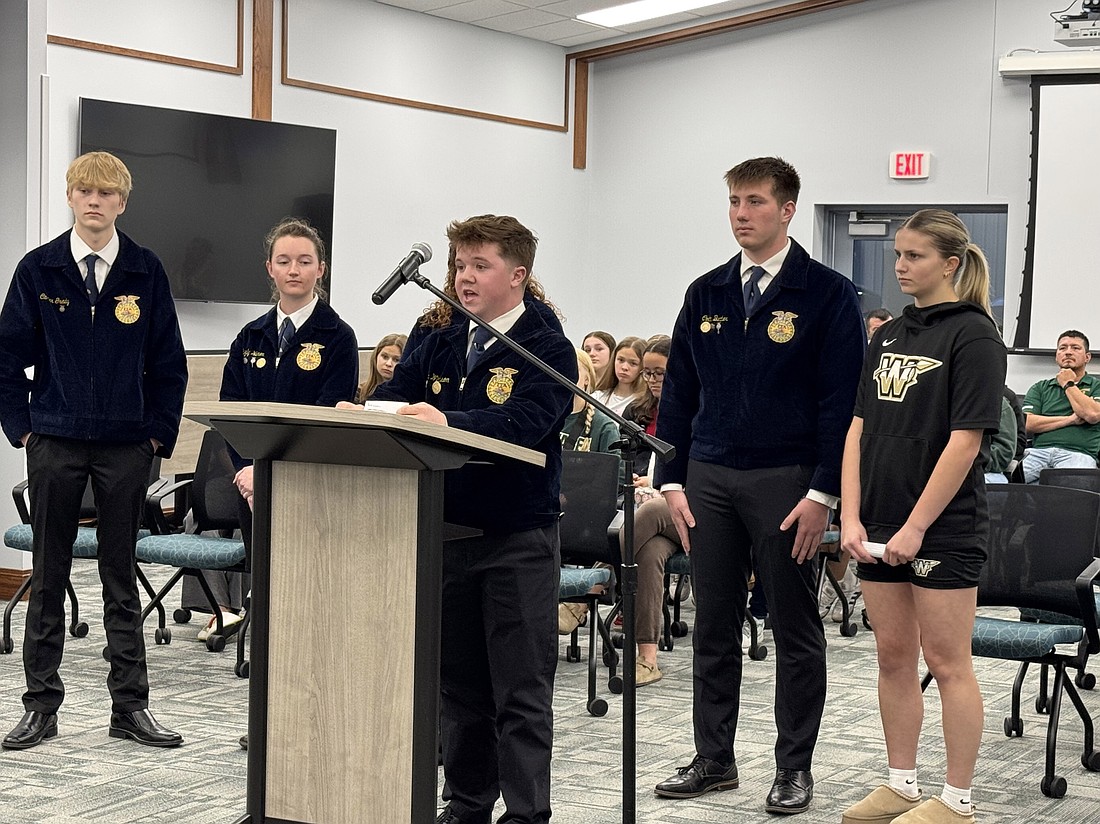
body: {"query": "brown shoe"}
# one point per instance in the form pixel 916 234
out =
pixel 934 811
pixel 646 673
pixel 881 806
pixel 571 616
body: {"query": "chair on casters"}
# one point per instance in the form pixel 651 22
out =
pixel 20 537
pixel 589 535
pixel 214 507
pixel 830 551
pixel 1041 557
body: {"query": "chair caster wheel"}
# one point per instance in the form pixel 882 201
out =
pixel 107 654
pixel 572 654
pixel 241 669
pixel 1091 761
pixel 1014 727
pixel 79 630
pixel 215 642
pixel 849 630
pixel 1085 680
pixel 7 647
pixel 758 654
pixel 162 635
pixel 181 616
pixel 610 658
pixel 679 629
pixel 597 707
pixel 1053 787
pixel 615 684
pixel 662 646
pixel 1041 705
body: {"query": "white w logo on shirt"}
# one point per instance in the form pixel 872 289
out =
pixel 896 373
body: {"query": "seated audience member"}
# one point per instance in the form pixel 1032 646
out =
pixel 384 359
pixel 1063 417
pixel 599 346
pixel 622 383
pixel 1002 446
pixel 299 351
pixel 876 318
pixel 586 429
pixel 643 411
pixel 655 537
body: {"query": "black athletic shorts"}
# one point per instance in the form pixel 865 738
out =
pixel 932 569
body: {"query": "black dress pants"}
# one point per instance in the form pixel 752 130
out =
pixel 737 516
pixel 498 657
pixel 58 470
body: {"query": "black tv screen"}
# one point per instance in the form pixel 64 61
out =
pixel 208 188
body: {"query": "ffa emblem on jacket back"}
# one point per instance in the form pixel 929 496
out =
pixel 310 356
pixel 499 388
pixel 781 329
pixel 897 373
pixel 126 310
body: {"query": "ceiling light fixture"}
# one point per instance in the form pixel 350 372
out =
pixel 642 10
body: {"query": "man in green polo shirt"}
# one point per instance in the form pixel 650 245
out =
pixel 1063 417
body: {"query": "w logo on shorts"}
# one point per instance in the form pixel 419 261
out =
pixel 923 566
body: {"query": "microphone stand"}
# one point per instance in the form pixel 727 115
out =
pixel 632 437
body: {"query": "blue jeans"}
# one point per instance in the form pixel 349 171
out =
pixel 1053 457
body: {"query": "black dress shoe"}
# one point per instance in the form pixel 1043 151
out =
pixel 141 726
pixel 700 776
pixel 791 792
pixel 31 731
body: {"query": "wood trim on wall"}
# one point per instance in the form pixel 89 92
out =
pixel 163 58
pixel 11 580
pixel 287 80
pixel 263 46
pixel 669 38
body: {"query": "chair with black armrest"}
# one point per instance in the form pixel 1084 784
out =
pixel 589 493
pixel 86 546
pixel 1041 557
pixel 214 508
pixel 1074 478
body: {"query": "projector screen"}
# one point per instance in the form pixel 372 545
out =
pixel 1061 286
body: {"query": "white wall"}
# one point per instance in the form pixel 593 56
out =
pixel 834 94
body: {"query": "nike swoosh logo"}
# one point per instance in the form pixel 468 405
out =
pixel 888 342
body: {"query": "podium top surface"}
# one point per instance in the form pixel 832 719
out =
pixel 213 413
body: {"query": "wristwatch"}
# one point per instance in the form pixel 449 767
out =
pixel 1069 385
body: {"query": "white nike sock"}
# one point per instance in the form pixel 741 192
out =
pixel 957 799
pixel 905 782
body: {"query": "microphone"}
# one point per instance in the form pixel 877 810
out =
pixel 421 253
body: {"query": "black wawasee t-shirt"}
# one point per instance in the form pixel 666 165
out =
pixel 929 372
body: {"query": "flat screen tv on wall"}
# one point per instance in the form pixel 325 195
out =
pixel 207 188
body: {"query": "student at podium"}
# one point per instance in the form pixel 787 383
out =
pixel 500 590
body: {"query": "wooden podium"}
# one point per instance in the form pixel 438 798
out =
pixel 346 564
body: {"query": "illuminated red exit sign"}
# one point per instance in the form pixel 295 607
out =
pixel 910 165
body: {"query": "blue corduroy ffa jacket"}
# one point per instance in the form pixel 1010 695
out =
pixel 503 397
pixel 117 376
pixel 774 389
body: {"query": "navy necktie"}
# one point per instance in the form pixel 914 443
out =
pixel 286 332
pixel 89 278
pixel 481 337
pixel 752 289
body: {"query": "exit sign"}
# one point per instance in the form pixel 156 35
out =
pixel 910 165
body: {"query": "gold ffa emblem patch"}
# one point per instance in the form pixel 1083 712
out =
pixel 781 329
pixel 310 356
pixel 499 388
pixel 126 310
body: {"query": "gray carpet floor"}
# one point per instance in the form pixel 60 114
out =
pixel 84 777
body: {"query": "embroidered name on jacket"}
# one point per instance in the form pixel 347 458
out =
pixel 896 373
